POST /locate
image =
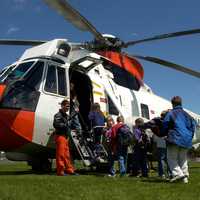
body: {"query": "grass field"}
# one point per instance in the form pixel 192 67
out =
pixel 18 182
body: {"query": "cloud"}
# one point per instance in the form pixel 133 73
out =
pixel 12 29
pixel 134 34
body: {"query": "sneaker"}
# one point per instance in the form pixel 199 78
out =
pixel 162 177
pixel 111 175
pixel 176 178
pixel 185 180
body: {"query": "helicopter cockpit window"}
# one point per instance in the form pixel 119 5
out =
pixel 144 111
pixel 23 93
pixel 51 84
pixel 20 70
pixel 34 77
pixel 56 80
pixel 5 72
pixel 62 86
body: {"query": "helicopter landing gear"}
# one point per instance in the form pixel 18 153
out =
pixel 41 165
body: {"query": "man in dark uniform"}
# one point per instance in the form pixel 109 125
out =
pixel 60 123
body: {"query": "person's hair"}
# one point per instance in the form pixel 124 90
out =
pixel 120 119
pixel 176 101
pixel 139 121
pixel 64 102
pixel 96 108
pixel 163 113
pixel 109 118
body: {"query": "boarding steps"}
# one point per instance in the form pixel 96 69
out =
pixel 86 149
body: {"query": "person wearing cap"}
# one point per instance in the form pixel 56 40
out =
pixel 62 131
pixel 180 127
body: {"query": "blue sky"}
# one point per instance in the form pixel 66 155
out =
pixel 127 19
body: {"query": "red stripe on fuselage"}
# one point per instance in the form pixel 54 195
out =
pixel 16 128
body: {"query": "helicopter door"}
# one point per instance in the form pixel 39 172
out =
pixel 54 90
pixel 78 74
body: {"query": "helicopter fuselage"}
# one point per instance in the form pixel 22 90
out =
pixel 33 87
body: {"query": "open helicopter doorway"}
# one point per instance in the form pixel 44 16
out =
pixel 83 90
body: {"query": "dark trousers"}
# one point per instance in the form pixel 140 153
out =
pixel 140 161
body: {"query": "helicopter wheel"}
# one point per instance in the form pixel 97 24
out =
pixel 43 165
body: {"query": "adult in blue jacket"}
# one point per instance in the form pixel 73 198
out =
pixel 180 127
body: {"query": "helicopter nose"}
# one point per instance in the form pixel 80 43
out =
pixel 16 128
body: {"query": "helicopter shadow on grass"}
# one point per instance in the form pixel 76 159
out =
pixel 9 172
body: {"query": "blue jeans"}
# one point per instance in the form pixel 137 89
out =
pixel 162 160
pixel 111 162
pixel 75 123
pixel 121 157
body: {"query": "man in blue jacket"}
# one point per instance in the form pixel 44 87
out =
pixel 180 127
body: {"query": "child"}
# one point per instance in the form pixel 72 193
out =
pixel 140 150
pixel 117 149
pixel 97 120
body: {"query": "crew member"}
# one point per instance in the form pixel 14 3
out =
pixel 60 123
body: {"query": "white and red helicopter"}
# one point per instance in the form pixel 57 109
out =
pixel 32 88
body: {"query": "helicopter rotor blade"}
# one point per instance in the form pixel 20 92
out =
pixel 21 42
pixel 168 64
pixel 163 36
pixel 73 16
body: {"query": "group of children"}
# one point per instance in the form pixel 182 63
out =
pixel 117 150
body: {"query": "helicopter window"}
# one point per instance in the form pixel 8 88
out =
pixel 35 76
pixel 51 84
pixel 62 87
pixel 20 70
pixel 123 77
pixel 144 111
pixel 5 72
pixel 111 107
pixel 22 93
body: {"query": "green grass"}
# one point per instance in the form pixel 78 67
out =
pixel 18 182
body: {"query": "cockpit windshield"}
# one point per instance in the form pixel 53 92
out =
pixel 3 70
pixel 19 71
pixel 4 73
pixel 23 93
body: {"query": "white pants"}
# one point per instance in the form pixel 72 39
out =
pixel 177 160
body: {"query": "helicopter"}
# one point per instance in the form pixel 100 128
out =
pixel 32 88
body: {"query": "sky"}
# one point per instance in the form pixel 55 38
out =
pixel 126 19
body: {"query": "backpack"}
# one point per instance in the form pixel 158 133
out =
pixel 124 135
